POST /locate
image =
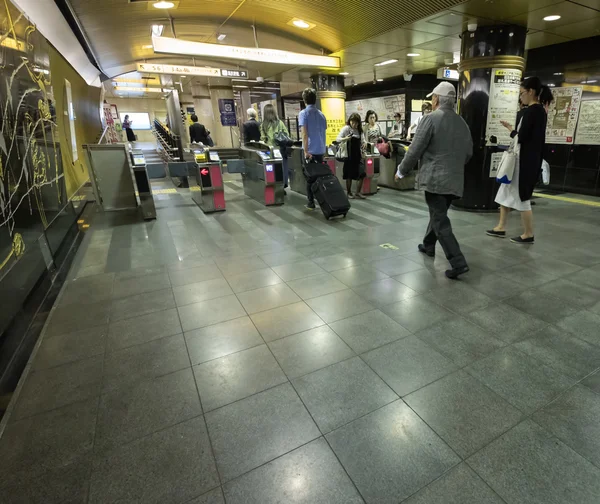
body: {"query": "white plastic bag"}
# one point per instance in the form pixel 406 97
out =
pixel 545 172
pixel 510 158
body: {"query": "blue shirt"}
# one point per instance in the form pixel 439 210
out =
pixel 314 121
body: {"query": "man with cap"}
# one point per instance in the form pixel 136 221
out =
pixel 443 145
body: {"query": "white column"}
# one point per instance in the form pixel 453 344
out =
pixel 203 107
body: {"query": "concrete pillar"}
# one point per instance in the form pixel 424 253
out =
pixel 203 106
pixel 223 136
pixel 491 68
pixel 331 100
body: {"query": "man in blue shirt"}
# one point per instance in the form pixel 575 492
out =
pixel 313 124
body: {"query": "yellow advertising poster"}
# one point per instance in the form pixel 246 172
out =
pixel 334 110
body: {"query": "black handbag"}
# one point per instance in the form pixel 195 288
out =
pixel 282 140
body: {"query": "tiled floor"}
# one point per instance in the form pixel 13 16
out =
pixel 265 355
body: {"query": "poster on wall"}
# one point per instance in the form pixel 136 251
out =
pixel 384 107
pixel 227 112
pixel 588 127
pixel 503 104
pixel 495 160
pixel 291 109
pixel 563 114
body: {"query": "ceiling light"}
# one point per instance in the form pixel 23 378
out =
pixel 221 37
pixel 413 54
pixel 148 46
pixel 551 85
pixel 163 5
pixel 552 18
pixel 157 30
pixel 299 23
pixel 344 73
pixel 379 80
pixel 589 81
pixel 386 62
pixel 558 73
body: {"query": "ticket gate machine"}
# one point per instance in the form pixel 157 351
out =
pixel 144 189
pixel 207 169
pixel 296 163
pixel 263 173
pixel 388 168
pixel 372 164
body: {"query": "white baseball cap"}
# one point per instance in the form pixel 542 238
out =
pixel 443 89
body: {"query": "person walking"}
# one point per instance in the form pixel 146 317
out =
pixel 251 128
pixel 199 133
pixel 313 126
pixel 270 127
pixel 398 129
pixel 443 145
pixel 353 134
pixel 127 127
pixel 531 133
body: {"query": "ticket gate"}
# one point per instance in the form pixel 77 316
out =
pixel 295 166
pixel 144 189
pixel 263 173
pixel 388 168
pixel 372 169
pixel 207 169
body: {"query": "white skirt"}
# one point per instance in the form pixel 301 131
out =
pixel 508 194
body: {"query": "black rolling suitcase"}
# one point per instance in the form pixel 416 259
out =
pixel 331 196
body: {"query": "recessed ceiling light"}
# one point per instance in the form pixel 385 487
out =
pixel 558 73
pixel 386 62
pixel 157 29
pixel 551 85
pixel 299 23
pixel 589 81
pixel 344 73
pixel 379 80
pixel 221 37
pixel 163 5
pixel 552 18
pixel 413 54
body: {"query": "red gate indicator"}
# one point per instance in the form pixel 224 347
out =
pixel 204 171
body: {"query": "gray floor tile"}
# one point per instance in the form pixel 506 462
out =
pixel 253 280
pixel 281 258
pixel 423 280
pixel 71 347
pixel 195 261
pixel 542 306
pixel 201 291
pixel 258 429
pixel 396 266
pixel 308 351
pixel 528 465
pixel 228 379
pixel 287 320
pixel 213 497
pixel 573 418
pixel 125 368
pixel 506 322
pixel 460 485
pixel 496 287
pixel 369 330
pixel 417 313
pixel 343 392
pixel 563 352
pixel 73 318
pixel 144 408
pixel 141 272
pixel 142 329
pixel 593 382
pixel 222 339
pixel 459 298
pixel 385 292
pixel 527 275
pixel 316 285
pixel 523 381
pixel 589 277
pixel 358 275
pixel 460 341
pixel 338 261
pixel 188 276
pixel 91 289
pixel 48 389
pixel 572 293
pixel 53 440
pixel 141 304
pixel 585 325
pixel 463 412
pixel 273 483
pixel 297 270
pixel 267 298
pixel 554 267
pixel 408 364
pixel 391 453
pixel 339 305
pixel 125 287
pixel 231 266
pixel 210 312
pixel 172 465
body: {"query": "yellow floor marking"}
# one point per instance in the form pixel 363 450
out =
pixel 568 200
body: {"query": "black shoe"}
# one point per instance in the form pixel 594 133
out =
pixel 310 205
pixel 496 234
pixel 284 192
pixel 522 241
pixel 454 273
pixel 426 251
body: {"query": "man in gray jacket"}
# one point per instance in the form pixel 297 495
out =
pixel 443 145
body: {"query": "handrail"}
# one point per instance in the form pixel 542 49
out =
pixel 103 133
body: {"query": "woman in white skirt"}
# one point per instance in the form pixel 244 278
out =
pixel 531 138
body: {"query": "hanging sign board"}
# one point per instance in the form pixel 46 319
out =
pixel 503 104
pixel 588 128
pixel 563 114
pixel 192 71
pixel 227 111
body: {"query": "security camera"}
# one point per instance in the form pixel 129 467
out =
pixel 260 79
pixel 472 26
pixel 408 77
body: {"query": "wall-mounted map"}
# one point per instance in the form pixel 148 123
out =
pixel 385 107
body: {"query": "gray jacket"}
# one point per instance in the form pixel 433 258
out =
pixel 443 145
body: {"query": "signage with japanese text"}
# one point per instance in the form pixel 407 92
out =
pixel 227 111
pixel 192 71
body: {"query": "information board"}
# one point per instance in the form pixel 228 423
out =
pixel 563 114
pixel 385 107
pixel 503 104
pixel 588 128
pixel 227 111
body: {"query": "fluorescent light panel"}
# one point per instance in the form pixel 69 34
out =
pixel 387 62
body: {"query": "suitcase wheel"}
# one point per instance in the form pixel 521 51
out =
pixel 345 215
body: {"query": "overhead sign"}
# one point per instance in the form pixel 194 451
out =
pixel 166 45
pixel 227 111
pixel 447 74
pixel 192 70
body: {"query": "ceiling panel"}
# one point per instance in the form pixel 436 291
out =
pixel 371 49
pixel 569 12
pixel 444 44
pixel 541 39
pixel 583 29
pixel 348 58
pixel 404 38
pixel 501 9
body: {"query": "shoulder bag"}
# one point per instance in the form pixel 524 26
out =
pixel 510 158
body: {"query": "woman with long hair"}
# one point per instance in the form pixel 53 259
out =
pixel 531 133
pixel 352 133
pixel 127 127
pixel 270 126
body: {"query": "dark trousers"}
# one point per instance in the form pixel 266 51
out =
pixel 310 181
pixel 440 229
